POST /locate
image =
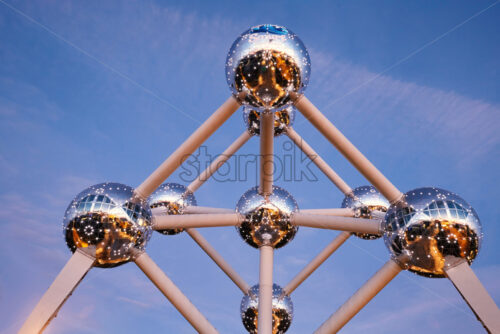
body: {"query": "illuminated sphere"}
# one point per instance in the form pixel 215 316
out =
pixel 174 198
pixel 267 63
pixel 108 217
pixel 267 221
pixel 282 310
pixel 367 202
pixel 432 224
pixel 283 118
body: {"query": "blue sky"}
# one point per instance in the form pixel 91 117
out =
pixel 105 91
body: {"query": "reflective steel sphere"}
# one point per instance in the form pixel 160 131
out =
pixel 282 310
pixel 283 118
pixel 174 197
pixel 366 201
pixel 108 217
pixel 430 225
pixel 267 220
pixel 267 62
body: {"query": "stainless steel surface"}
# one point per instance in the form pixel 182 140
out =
pixel 364 201
pixel 282 310
pixel 267 62
pixel 430 224
pixel 267 219
pixel 109 217
pixel 283 119
pixel 174 198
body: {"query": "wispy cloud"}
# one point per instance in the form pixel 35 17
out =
pixel 463 124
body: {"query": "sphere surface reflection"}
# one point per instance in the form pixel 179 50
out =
pixel 267 63
pixel 282 310
pixel 110 219
pixel 367 202
pixel 430 225
pixel 283 118
pixel 174 198
pixel 267 220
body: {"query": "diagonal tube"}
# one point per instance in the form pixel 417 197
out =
pixel 265 310
pixel 344 212
pixel 316 262
pixel 163 222
pixel 219 161
pixel 205 209
pixel 355 157
pixel 266 153
pixel 473 292
pixel 319 162
pixel 357 225
pixel 194 209
pixel 59 291
pixel 361 297
pixel 174 295
pixel 217 258
pixel 188 147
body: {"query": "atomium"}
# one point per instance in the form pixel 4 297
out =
pixel 108 217
pixel 430 225
pixel 174 198
pixel 267 219
pixel 282 310
pixel 268 63
pixel 367 202
pixel 283 118
pixel 429 231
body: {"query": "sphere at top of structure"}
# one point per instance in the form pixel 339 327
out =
pixel 283 118
pixel 282 310
pixel 366 202
pixel 174 198
pixel 109 218
pixel 267 63
pixel 430 225
pixel 266 220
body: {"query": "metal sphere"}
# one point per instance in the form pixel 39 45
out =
pixel 283 118
pixel 367 202
pixel 267 63
pixel 174 197
pixel 267 220
pixel 282 310
pixel 428 226
pixel 110 218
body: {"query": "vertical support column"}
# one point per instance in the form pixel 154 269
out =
pixel 265 310
pixel 266 152
pixel 355 157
